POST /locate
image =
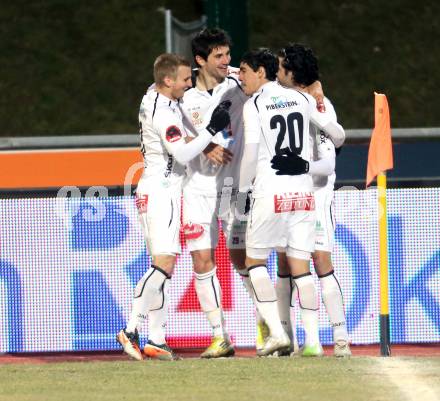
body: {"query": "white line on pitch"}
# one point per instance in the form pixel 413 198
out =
pixel 408 378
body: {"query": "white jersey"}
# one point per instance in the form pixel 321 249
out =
pixel 323 147
pixel 162 132
pixel 278 118
pixel 203 176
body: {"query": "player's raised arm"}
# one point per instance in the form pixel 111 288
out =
pixel 326 121
pixel 182 151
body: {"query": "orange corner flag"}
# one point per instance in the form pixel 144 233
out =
pixel 380 153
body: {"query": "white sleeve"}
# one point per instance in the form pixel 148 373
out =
pixel 251 121
pixel 325 166
pixel 328 123
pixel 187 151
pixel 173 135
pixel 248 166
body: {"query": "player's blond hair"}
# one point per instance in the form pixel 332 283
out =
pixel 166 65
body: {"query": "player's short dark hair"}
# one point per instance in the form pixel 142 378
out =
pixel 302 62
pixel 207 40
pixel 262 58
pixel 166 65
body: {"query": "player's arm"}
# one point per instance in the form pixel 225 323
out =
pixel 327 122
pixel 215 153
pixel 175 143
pixel 315 90
pixel 252 132
pixel 292 164
pixel 249 160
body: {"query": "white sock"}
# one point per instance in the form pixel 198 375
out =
pixel 209 294
pixel 308 301
pixel 293 312
pixel 284 294
pixel 248 285
pixel 334 304
pixel 157 317
pixel 265 299
pixel 147 293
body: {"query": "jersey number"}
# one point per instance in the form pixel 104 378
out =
pixel 294 125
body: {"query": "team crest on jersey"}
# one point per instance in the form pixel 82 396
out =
pixel 195 118
pixel 294 201
pixel 193 230
pixel 173 134
pixel 141 203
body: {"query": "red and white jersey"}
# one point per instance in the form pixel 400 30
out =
pixel 202 175
pixel 323 147
pixel 162 132
pixel 278 118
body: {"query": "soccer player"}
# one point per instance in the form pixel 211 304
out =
pixel 282 216
pixel 298 66
pixel 211 187
pixel 158 196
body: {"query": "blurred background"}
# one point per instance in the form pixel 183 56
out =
pixel 81 67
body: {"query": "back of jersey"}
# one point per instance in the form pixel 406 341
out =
pixel 283 116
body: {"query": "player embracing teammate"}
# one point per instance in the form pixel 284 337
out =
pixel 255 141
pixel 282 212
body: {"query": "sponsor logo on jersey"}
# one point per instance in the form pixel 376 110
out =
pixel 193 230
pixel 141 202
pixel 294 201
pixel 173 134
pixel 169 166
pixel 280 102
pixel 323 137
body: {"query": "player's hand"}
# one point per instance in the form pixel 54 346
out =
pixel 289 164
pixel 316 91
pixel 218 154
pixel 243 204
pixel 220 118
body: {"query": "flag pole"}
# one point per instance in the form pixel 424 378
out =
pixel 385 349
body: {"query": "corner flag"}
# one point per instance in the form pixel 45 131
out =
pixel 380 158
pixel 380 153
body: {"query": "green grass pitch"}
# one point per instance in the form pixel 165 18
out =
pixel 328 378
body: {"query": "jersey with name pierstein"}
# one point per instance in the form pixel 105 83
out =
pixel 162 132
pixel 203 176
pixel 278 118
pixel 323 147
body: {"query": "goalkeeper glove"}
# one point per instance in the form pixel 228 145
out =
pixel 220 118
pixel 289 164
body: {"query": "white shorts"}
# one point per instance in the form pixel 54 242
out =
pixel 159 215
pixel 201 215
pixel 270 228
pixel 325 221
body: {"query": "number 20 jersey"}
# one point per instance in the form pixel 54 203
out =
pixel 278 119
